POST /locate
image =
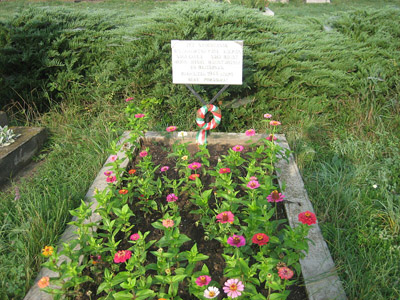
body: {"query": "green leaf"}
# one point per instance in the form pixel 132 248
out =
pixel 123 295
pixel 143 294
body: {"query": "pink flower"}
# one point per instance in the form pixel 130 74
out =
pixel 250 132
pixel 203 280
pixel 236 240
pixel 113 158
pixel 260 239
pixel 138 116
pixel 108 173
pixel 171 128
pixel 285 273
pixel 122 256
pixel 271 137
pixel 128 99
pixel 135 237
pixel 238 148
pixel 44 282
pixel 307 218
pixel 194 165
pixel 224 170
pixel 111 179
pixel 253 184
pixel 267 116
pixel 143 154
pixel 172 198
pixel 233 287
pixel 168 223
pixel 274 123
pixel 164 169
pixel 253 178
pixel 275 197
pixel 225 217
pixel 194 176
pixel 211 292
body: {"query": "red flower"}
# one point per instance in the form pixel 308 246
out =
pixel 260 239
pixel 123 192
pixel 132 171
pixel 194 176
pixel 285 273
pixel 307 218
pixel 224 170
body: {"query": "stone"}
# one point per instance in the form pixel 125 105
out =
pixel 280 1
pixel 317 1
pixel 3 119
pixel 268 12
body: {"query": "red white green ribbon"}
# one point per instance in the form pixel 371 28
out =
pixel 201 113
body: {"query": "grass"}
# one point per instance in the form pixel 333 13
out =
pixel 330 73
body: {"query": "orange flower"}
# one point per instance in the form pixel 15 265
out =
pixel 132 171
pixel 194 176
pixel 123 192
pixel 44 282
pixel 47 251
pixel 162 299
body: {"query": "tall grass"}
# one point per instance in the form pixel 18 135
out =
pixel 330 73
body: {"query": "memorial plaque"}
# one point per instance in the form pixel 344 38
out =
pixel 207 62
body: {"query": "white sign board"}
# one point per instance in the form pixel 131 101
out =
pixel 207 62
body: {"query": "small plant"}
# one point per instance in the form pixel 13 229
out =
pixel 7 136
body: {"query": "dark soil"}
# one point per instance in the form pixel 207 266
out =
pixel 212 248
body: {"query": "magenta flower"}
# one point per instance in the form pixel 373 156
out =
pixel 233 287
pixel 113 158
pixel 274 123
pixel 171 128
pixel 267 116
pixel 285 273
pixel 135 237
pixel 122 256
pixel 164 169
pixel 168 223
pixel 225 217
pixel 138 116
pixel 253 184
pixel 238 148
pixel 172 198
pixel 194 165
pixel 236 240
pixel 275 197
pixel 111 179
pixel 250 132
pixel 128 99
pixel 108 173
pixel 271 137
pixel 224 170
pixel 143 154
pixel 203 280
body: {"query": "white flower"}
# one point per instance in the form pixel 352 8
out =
pixel 182 134
pixel 211 292
pixel 375 186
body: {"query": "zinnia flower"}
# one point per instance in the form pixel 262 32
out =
pixel 122 256
pixel 211 292
pixel 274 123
pixel 224 170
pixel 132 171
pixel 203 280
pixel 108 173
pixel 236 240
pixel 44 282
pixel 171 128
pixel 47 251
pixel 307 218
pixel 238 148
pixel 164 169
pixel 260 239
pixel 135 237
pixel 138 116
pixel 285 273
pixel 185 157
pixel 253 184
pixel 271 137
pixel 253 178
pixel 128 99
pixel 143 154
pixel 111 179
pixel 233 287
pixel 225 217
pixel 172 198
pixel 250 132
pixel 194 166
pixel 168 223
pixel 194 176
pixel 267 116
pixel 113 158
pixel 123 192
pixel 275 197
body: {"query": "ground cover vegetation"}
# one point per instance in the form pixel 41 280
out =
pixel 329 72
